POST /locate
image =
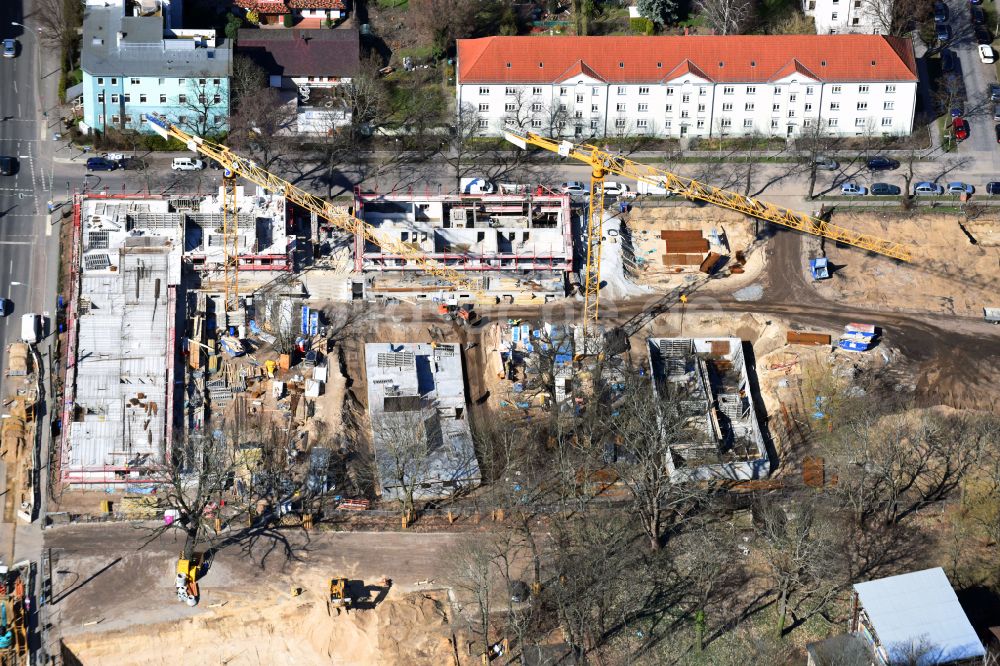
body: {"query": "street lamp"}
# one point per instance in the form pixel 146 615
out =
pixel 38 65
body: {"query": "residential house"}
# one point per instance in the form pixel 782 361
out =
pixel 305 13
pixel 778 85
pixel 313 69
pixel 135 63
pixel 913 618
pixel 834 17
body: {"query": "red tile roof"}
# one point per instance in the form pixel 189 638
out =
pixel 739 58
pixel 284 6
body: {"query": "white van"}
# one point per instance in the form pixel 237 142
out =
pixel 476 186
pixel 31 328
pixel 187 164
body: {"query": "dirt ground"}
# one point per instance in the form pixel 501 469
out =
pixel 948 274
pixel 647 221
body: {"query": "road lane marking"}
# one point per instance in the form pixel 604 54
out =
pixel 48 225
pixel 15 86
pixel 15 243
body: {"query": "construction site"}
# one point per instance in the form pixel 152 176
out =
pixel 351 359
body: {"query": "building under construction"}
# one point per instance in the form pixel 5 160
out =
pixel 419 419
pixel 710 376
pixel 140 266
pixel 516 247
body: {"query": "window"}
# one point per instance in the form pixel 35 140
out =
pixel 217 99
pixel 619 122
pixel 536 107
pixel 792 98
pixel 483 90
pixel 161 82
pixel 510 122
pixel 835 106
pixel 669 108
pixel 201 98
pixel 163 99
pixel 777 91
pixel 562 92
pixel 536 90
pixel 202 82
pixel 862 106
pixel 216 82
pixel 832 122
pixel 619 107
pixel 808 108
pixel 114 99
pixel 670 91
pixel 100 80
pixel 700 124
pixel 888 106
pixel 593 124
pixel 667 124
pixel 182 99
pixel 728 106
pixel 127 98
pixel 685 114
pixel 595 91
pixel 180 82
pixel 562 107
pixel 886 122
pixel 855 21
pixel 862 89
pixel 621 90
pixel 751 90
pixel 134 81
pixel 774 124
pixel 128 118
pixel 726 122
pixel 578 114
pixel 142 99
pixel 100 98
pixel 685 98
pixel 484 108
pixel 579 99
pixel 114 81
pixel 509 107
pixel 807 122
pixel 593 108
pixel 835 90
pixel 510 91
pixel 891 88
pixel 642 123
pixel 748 122
pixel 701 108
pixel 483 123
pixel 860 122
pixel 809 90
pixel 833 16
pixel 791 113
pixel 100 118
pixel 775 107
pixel 643 90
pixel 702 91
pixel 115 119
pixel 728 90
pixel 536 123
pixel 748 106
pixel 643 108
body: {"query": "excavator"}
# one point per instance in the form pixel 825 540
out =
pixel 464 314
pixel 339 595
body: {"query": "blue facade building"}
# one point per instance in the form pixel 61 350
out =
pixel 136 62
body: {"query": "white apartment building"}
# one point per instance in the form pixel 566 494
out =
pixel 835 17
pixel 695 86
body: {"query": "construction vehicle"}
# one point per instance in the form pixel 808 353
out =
pixel 15 606
pixel 465 314
pixel 342 218
pixel 603 162
pixel 187 579
pixel 819 268
pixel 339 596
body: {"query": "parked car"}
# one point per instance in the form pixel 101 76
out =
pixel 957 188
pixel 924 188
pixel 826 163
pixel 885 190
pixel 573 187
pixel 882 164
pixel 476 186
pixel 977 15
pixel 943 32
pixel 9 48
pixel 994 91
pixel 101 164
pixel 8 165
pixel 983 36
pixel 949 61
pixel 993 187
pixel 986 54
pixel 187 164
pixel 4 310
pixel 975 2
pixel 853 190
pixel 940 12
pixel 957 112
pixel 960 127
pixel 613 189
pixel 996 130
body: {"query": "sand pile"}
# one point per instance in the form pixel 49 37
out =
pixel 403 629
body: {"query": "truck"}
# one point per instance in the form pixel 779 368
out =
pixel 476 186
pixel 31 329
pixel 992 315
pixel 820 268
pixel 642 187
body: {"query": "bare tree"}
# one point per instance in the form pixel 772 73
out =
pixel 403 444
pixel 204 105
pixel 263 126
pixel 726 17
pixel 894 17
pixel 440 22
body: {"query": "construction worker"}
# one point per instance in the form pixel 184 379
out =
pixel 684 298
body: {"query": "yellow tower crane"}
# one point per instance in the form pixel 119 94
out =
pixel 341 217
pixel 603 162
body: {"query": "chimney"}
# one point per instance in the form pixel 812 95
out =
pixel 118 38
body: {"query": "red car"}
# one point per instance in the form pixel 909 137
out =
pixel 961 128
